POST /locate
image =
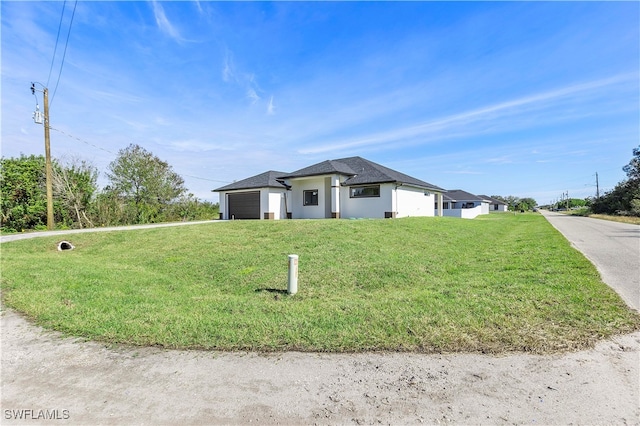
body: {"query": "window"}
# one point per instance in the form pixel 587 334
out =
pixel 365 191
pixel 445 205
pixel 310 198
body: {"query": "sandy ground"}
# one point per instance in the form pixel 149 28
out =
pixel 76 382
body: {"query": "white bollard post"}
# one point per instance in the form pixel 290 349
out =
pixel 292 286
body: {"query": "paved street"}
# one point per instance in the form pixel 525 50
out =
pixel 613 247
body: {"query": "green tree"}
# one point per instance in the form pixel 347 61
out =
pixel 633 168
pixel 146 184
pixel 23 193
pixel 624 199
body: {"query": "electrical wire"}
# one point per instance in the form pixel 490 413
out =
pixel 110 152
pixel 53 58
pixel 65 52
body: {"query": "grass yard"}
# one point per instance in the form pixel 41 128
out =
pixel 495 284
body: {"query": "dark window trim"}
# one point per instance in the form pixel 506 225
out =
pixel 304 197
pixel 351 190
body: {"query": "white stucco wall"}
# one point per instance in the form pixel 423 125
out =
pixel 411 201
pixel 463 213
pixel 298 209
pixel 366 207
pixel 274 202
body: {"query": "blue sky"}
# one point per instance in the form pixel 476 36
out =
pixel 503 98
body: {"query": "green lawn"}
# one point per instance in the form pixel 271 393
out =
pixel 498 283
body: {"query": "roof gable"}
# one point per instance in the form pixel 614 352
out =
pixel 360 171
pixel 263 180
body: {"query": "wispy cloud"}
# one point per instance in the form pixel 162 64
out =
pixel 252 95
pixel 227 68
pixel 271 109
pixel 163 23
pixel 460 124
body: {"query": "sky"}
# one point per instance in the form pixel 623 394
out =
pixel 497 98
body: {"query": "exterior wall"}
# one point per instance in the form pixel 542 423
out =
pixel 275 202
pixel 463 213
pixel 297 207
pixel 484 207
pixel 222 203
pixel 410 201
pixel 335 200
pixel 367 207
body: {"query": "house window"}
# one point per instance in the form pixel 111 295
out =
pixel 311 197
pixel 445 205
pixel 365 191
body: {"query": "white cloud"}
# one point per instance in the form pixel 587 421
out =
pixel 227 69
pixel 251 94
pixel 271 109
pixel 163 23
pixel 463 123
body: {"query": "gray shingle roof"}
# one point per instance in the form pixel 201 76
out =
pixel 360 172
pixel 263 180
pixel 493 200
pixel 460 195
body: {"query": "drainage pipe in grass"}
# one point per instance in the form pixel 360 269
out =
pixel 292 286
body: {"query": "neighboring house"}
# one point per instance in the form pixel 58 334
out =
pixel 459 203
pixel 495 205
pixel 345 188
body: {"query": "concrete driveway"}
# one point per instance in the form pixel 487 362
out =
pixel 613 247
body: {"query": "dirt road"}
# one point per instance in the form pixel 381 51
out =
pixel 44 374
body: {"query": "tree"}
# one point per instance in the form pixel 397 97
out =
pixel 145 183
pixel 74 186
pixel 624 199
pixel 23 193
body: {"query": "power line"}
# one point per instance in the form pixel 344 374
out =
pixel 65 50
pixel 53 58
pixel 113 153
pixel 80 140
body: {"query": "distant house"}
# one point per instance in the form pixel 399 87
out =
pixel 459 203
pixel 495 205
pixel 345 188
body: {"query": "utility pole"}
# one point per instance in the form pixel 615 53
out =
pixel 597 187
pixel 47 153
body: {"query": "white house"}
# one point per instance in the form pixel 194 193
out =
pixel 459 203
pixel 345 188
pixel 495 205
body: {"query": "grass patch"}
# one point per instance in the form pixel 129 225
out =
pixel 586 212
pixel 498 283
pixel 624 219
